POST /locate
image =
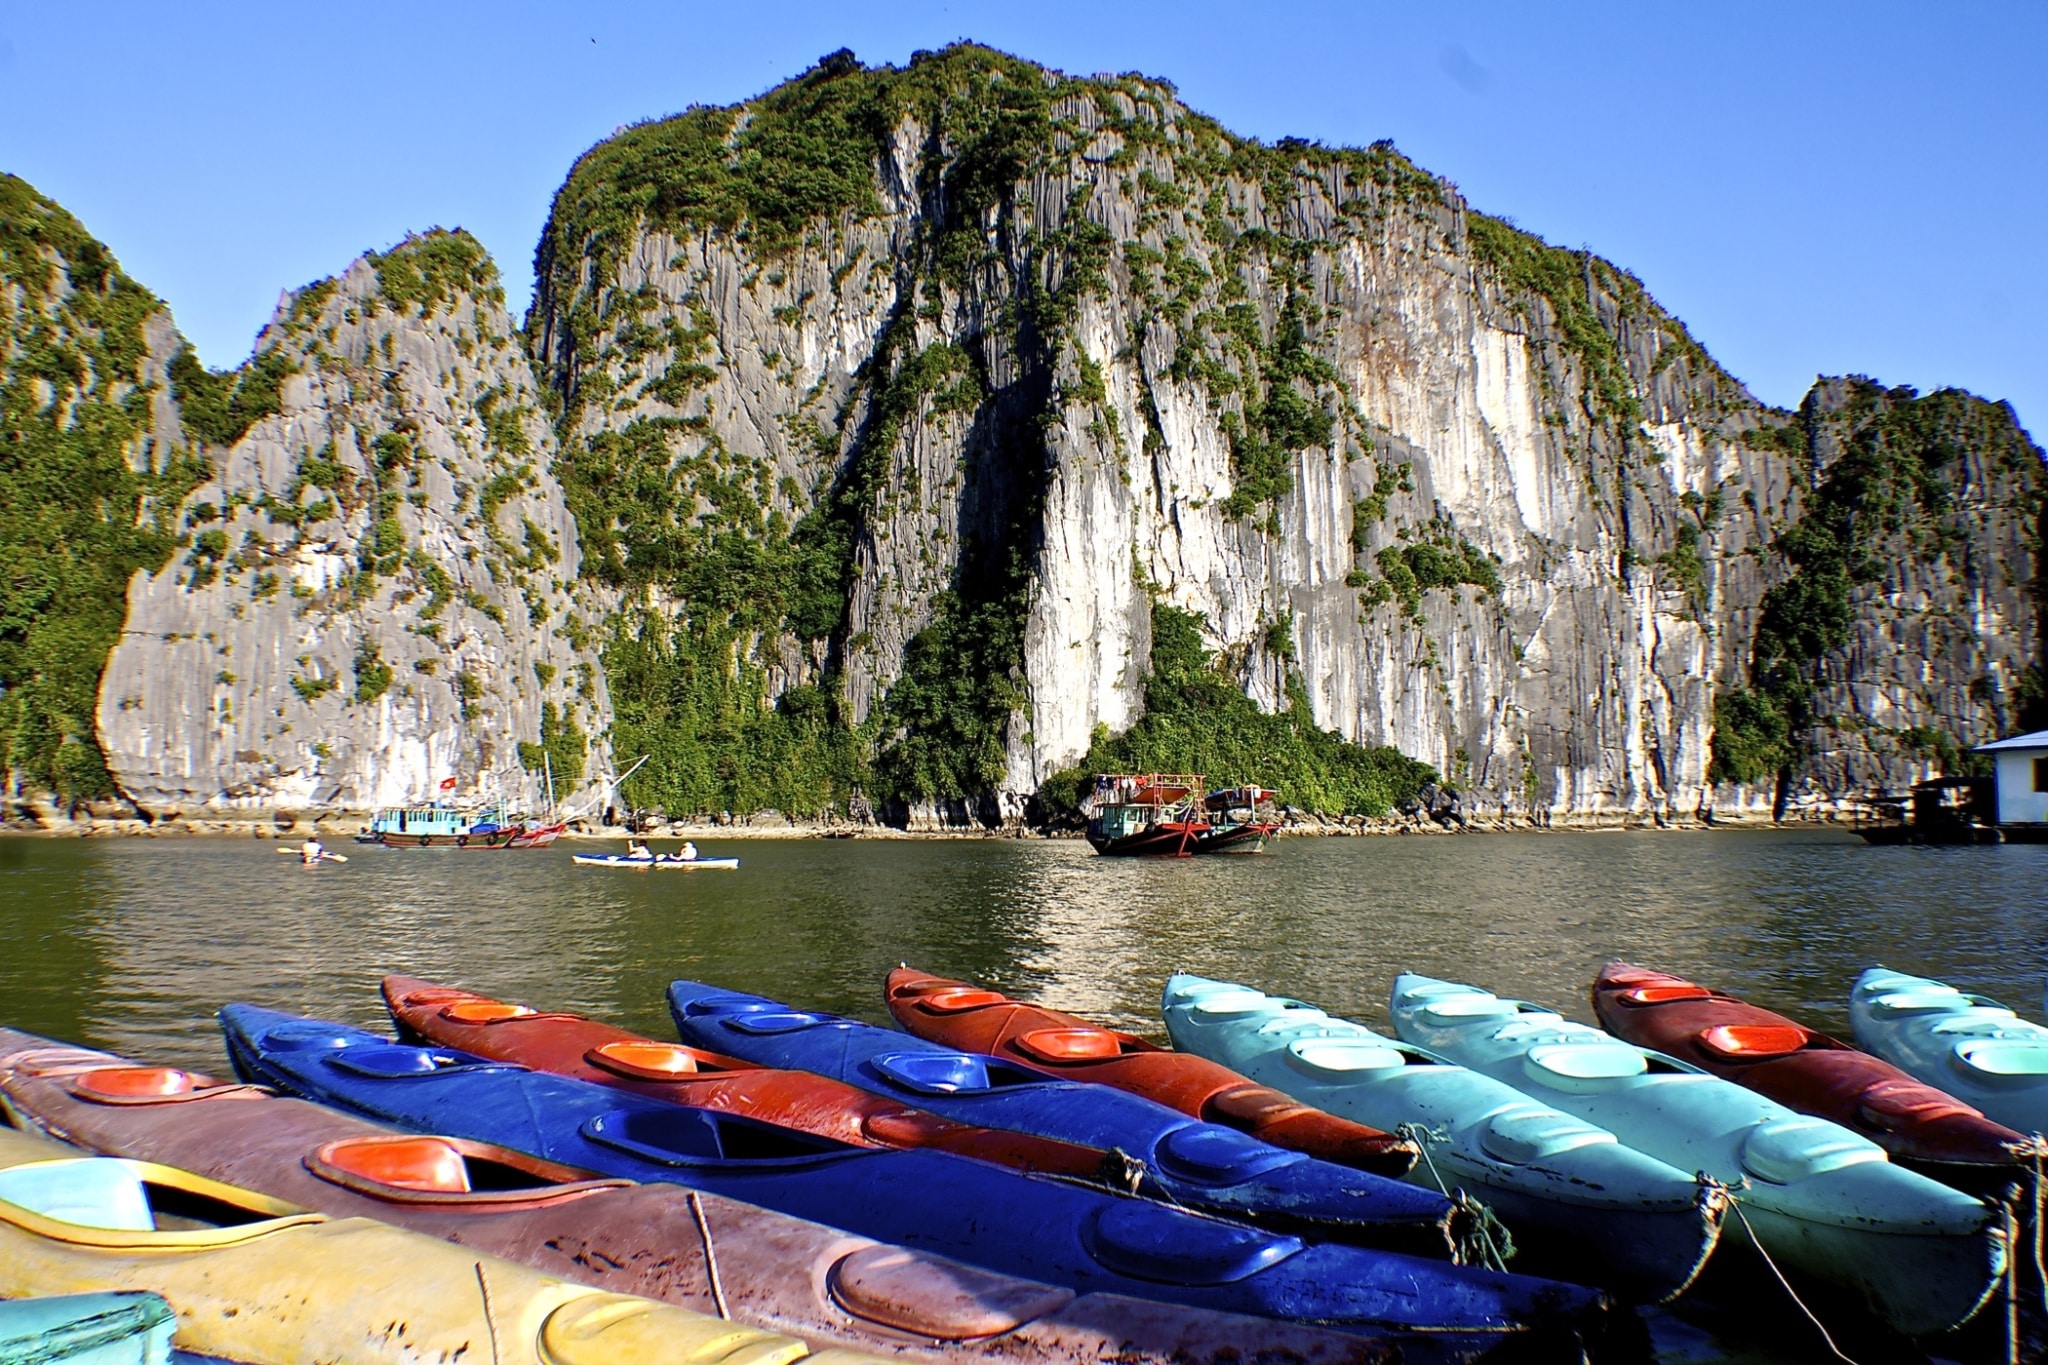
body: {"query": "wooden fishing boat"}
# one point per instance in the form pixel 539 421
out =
pixel 661 863
pixel 1146 815
pixel 1241 820
pixel 960 1014
pixel 1572 1195
pixel 1920 1126
pixel 438 825
pixel 267 1282
pixel 1016 1224
pixel 770 1271
pixel 1825 1203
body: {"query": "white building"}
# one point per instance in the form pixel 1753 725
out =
pixel 2022 778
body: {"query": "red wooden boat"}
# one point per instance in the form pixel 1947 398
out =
pixel 768 1269
pixel 1811 1072
pixel 960 1014
pixel 1147 815
pixel 590 1050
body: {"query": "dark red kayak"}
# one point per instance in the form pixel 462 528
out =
pixel 962 1015
pixel 1802 1069
pixel 590 1050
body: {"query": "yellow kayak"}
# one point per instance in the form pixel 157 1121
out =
pixel 257 1280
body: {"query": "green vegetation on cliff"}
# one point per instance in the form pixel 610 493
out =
pixel 1198 720
pixel 1885 496
pixel 85 496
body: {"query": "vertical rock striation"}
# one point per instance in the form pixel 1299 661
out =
pixel 378 590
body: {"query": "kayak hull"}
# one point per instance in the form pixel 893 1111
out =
pixel 1807 1071
pixel 131 1328
pixel 1163 1153
pixel 932 1201
pixel 1919 1256
pixel 965 1016
pixel 1569 1193
pixel 778 1273
pixel 1974 1048
pixel 288 1285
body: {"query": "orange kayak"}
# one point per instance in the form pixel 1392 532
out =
pixel 1803 1070
pixel 590 1050
pixel 962 1015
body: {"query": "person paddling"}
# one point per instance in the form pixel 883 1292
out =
pixel 688 853
pixel 310 852
pixel 637 848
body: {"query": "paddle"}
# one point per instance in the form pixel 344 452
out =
pixel 325 856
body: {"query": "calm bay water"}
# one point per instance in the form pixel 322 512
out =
pixel 133 943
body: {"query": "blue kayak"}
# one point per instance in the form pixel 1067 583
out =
pixel 1168 1155
pixel 986 1215
pixel 1969 1045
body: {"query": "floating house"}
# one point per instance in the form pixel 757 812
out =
pixel 2021 780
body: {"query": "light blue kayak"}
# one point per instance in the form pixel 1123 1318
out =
pixel 1973 1047
pixel 1820 1200
pixel 1572 1195
pixel 88 1329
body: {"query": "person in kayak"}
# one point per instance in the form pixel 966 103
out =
pixel 688 854
pixel 637 848
pixel 310 852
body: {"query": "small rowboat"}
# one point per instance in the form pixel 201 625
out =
pixel 1569 1192
pixel 1970 1046
pixel 1921 1257
pixel 665 863
pixel 1920 1126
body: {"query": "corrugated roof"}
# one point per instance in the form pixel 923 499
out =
pixel 2037 740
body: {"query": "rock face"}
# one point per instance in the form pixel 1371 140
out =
pixel 379 589
pixel 1030 353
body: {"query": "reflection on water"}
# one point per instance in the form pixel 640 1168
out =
pixel 134 943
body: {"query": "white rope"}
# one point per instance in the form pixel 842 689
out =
pixel 1483 1222
pixel 1735 1203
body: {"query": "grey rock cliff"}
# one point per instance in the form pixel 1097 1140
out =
pixel 381 588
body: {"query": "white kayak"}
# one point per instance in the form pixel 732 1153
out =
pixel 1973 1047
pixel 664 864
pixel 1565 1188
pixel 1921 1257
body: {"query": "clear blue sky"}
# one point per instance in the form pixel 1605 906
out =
pixel 1814 188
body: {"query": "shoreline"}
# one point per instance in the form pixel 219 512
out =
pixel 341 827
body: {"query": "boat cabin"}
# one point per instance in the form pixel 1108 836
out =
pixel 2020 776
pixel 446 821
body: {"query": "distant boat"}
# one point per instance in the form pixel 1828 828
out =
pixel 445 826
pixel 667 862
pixel 1146 815
pixel 1240 819
pixel 1946 810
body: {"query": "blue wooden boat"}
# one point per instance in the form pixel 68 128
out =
pixel 1045 1229
pixel 1969 1045
pixel 1168 1155
pixel 1821 1200
pixel 1568 1190
pixel 132 1328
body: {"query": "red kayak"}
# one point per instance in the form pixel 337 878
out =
pixel 1802 1070
pixel 962 1015
pixel 589 1050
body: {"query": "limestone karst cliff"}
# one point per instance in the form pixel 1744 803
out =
pixel 379 589
pixel 867 437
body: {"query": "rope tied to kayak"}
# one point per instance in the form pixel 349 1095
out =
pixel 483 1283
pixel 1735 1204
pixel 1489 1236
pixel 710 1256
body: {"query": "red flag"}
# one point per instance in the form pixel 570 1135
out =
pixel 447 784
